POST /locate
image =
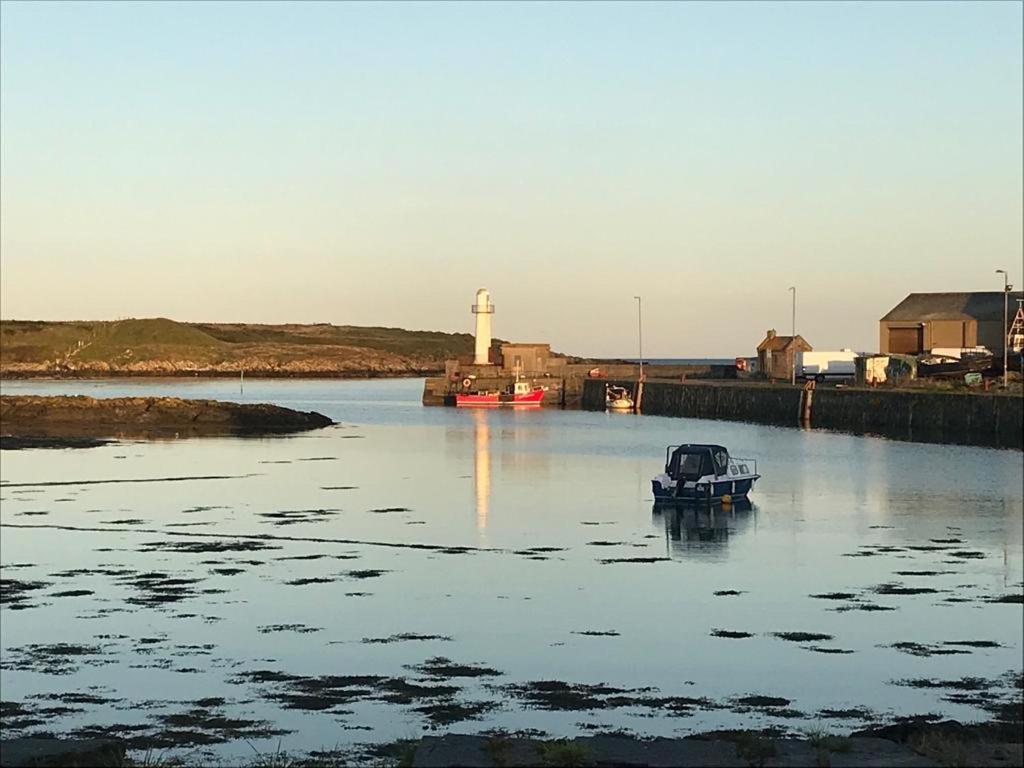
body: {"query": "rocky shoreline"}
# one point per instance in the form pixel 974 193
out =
pixel 173 370
pixel 28 421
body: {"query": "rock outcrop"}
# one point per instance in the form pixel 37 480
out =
pixel 39 416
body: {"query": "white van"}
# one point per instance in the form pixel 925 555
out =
pixel 824 366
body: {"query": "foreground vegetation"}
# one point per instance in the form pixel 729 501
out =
pixel 948 744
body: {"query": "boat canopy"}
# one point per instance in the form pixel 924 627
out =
pixel 693 461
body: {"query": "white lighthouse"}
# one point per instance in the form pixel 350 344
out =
pixel 483 309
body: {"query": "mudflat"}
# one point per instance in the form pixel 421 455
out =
pixel 506 575
pixel 74 418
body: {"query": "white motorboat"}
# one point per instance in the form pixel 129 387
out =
pixel 617 398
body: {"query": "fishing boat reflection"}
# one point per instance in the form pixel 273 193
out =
pixel 702 529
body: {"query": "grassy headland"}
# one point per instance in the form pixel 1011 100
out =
pixel 162 347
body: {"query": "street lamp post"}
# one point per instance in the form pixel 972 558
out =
pixel 792 364
pixel 1006 320
pixel 640 335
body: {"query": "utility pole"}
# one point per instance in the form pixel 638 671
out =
pixel 640 335
pixel 792 364
pixel 1006 322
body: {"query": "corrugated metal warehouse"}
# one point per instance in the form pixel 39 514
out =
pixel 924 321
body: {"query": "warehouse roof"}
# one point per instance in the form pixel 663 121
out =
pixel 921 307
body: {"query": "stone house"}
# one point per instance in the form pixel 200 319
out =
pixel 776 355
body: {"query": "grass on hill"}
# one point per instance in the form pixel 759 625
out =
pixel 434 344
pixel 161 338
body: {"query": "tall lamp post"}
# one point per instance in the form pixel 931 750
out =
pixel 640 335
pixel 1006 320
pixel 792 364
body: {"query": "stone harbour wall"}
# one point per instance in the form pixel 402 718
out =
pixel 929 416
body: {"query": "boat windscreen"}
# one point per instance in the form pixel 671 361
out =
pixel 692 462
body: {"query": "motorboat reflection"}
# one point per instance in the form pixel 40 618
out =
pixel 702 528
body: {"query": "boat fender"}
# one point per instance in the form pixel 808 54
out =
pixel 726 499
pixel 467 383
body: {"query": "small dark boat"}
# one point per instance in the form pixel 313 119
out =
pixel 946 366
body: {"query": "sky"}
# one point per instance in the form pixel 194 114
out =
pixel 375 164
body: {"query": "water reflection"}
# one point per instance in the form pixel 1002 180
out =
pixel 481 467
pixel 703 530
pixel 508 455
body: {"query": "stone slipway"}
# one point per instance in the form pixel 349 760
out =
pixel 31 416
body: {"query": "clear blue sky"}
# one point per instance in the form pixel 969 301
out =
pixel 377 163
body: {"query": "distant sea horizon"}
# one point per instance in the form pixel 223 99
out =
pixel 678 360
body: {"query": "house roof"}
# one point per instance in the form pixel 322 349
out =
pixel 779 343
pixel 921 307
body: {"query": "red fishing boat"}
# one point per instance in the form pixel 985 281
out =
pixel 519 394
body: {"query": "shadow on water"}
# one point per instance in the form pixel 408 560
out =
pixel 700 530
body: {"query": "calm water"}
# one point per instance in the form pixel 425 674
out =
pixel 230 596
